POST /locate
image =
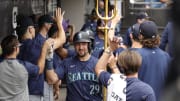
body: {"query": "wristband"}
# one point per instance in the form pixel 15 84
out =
pixel 108 51
pixel 49 64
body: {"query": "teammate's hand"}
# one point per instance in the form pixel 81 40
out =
pixel 59 16
pixel 49 42
pixel 116 19
pixel 56 90
pixel 112 61
pixel 56 94
pixel 114 43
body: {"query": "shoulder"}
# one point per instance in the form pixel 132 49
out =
pixel 119 50
pixel 104 78
pixel 27 64
pixel 136 84
pixel 69 60
pixel 39 38
pixel 26 44
pixel 93 58
pixel 135 92
pixel 163 52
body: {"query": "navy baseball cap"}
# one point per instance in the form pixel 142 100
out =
pixel 135 30
pixel 148 29
pixel 22 24
pixel 45 19
pixel 25 22
pixel 142 15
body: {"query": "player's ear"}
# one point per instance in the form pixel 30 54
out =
pixel 131 36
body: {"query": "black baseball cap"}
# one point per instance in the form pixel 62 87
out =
pixel 142 15
pixel 22 24
pixel 135 30
pixel 45 19
pixel 148 29
pixel 25 22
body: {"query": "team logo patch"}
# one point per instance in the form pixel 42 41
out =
pixel 97 43
pixel 110 80
pixel 72 66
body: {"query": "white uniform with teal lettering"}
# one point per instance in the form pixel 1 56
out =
pixel 116 88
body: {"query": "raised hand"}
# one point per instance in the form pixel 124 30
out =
pixel 59 16
pixel 114 43
pixel 49 42
pixel 112 61
pixel 116 19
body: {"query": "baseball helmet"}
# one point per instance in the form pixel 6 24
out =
pixel 91 36
pixel 83 37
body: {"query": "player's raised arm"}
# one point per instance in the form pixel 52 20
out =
pixel 103 61
pixel 61 38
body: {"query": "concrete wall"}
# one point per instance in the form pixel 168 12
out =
pixel 75 12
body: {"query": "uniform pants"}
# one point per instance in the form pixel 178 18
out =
pixel 35 98
pixel 48 92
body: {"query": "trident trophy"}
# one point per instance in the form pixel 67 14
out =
pixel 106 18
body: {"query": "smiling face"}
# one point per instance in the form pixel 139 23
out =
pixel 81 48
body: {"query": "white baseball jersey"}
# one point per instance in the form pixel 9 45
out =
pixel 116 88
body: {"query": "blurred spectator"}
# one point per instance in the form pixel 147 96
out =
pixel 167 39
pixel 140 17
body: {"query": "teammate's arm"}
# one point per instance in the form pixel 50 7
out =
pixel 113 26
pixel 51 77
pixel 112 64
pixel 61 38
pixel 103 61
pixel 62 52
pixel 41 60
pixel 56 90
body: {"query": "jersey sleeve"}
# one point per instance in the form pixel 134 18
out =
pixel 71 53
pixel 151 97
pixel 164 38
pixel 33 70
pixel 60 71
pixel 104 77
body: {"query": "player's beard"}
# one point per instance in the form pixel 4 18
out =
pixel 82 54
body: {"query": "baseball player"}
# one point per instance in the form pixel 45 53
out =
pixel 33 46
pixel 141 17
pixel 82 82
pixel 155 61
pixel 121 87
pixel 15 73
